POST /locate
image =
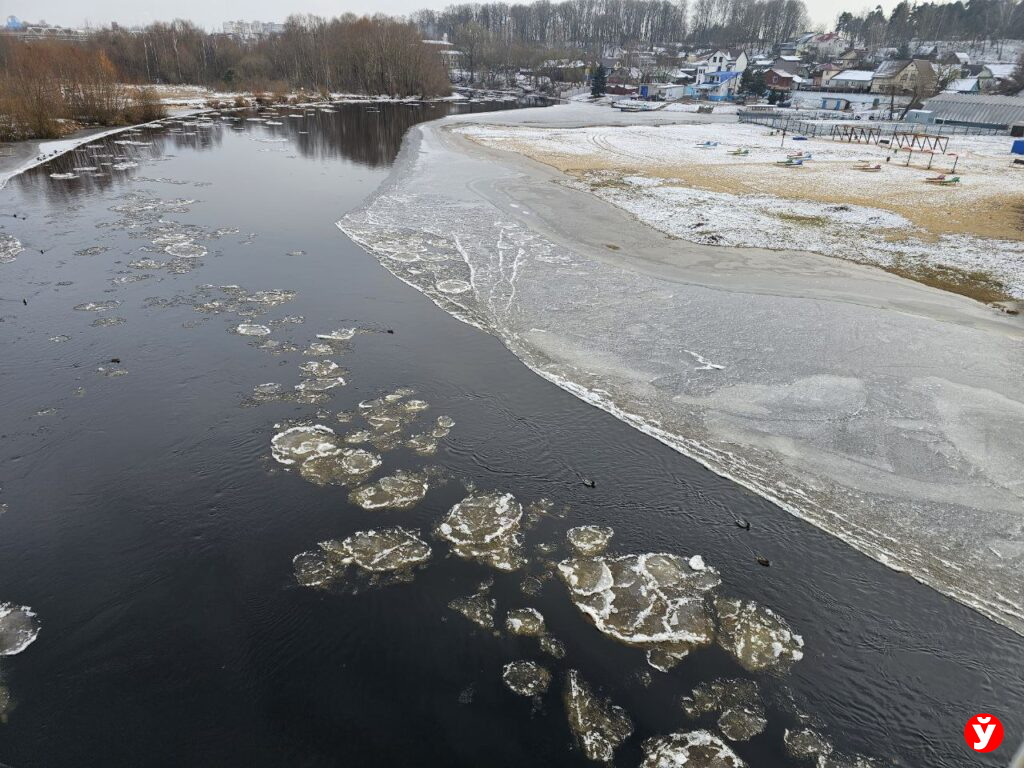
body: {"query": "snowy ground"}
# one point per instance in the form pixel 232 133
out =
pixel 890 218
pixel 885 412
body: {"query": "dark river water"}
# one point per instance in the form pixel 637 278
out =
pixel 153 534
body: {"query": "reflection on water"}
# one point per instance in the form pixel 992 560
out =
pixel 421 475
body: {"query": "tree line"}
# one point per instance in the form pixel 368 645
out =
pixel 47 88
pixel 378 55
pixel 976 21
pixel 594 24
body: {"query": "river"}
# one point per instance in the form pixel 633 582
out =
pixel 189 301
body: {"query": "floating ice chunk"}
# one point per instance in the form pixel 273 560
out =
pixel 98 306
pixel 19 628
pixel 552 646
pixel 319 368
pixel 415 406
pixel 589 540
pixel 696 749
pixel 346 466
pixel 342 334
pixel 186 250
pixel 598 726
pixel 478 607
pixel 63 176
pixel 759 638
pixel 317 348
pixel 60 338
pixel 525 621
pixel 402 490
pixel 394 552
pixel 251 329
pixel 320 385
pixel 106 322
pixel 697 563
pixel 147 264
pixel 652 601
pixel 297 444
pixel 423 444
pixel 10 247
pixel 125 165
pixel 527 678
pixel 742 714
pixel 807 743
pixel 453 286
pixel 485 527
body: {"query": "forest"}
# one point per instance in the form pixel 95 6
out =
pixel 976 21
pixel 47 86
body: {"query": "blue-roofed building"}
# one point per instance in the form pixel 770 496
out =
pixel 719 86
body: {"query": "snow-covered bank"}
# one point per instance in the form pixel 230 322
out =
pixel 684 180
pixel 28 154
pixel 883 412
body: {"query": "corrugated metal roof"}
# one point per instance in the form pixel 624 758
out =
pixel 976 110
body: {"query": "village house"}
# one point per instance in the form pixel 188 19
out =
pixel 992 75
pixel 720 86
pixel 903 76
pixel 780 80
pixel 963 85
pixel 827 45
pixel 853 80
pixel 821 75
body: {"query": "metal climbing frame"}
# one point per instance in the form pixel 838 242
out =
pixel 920 141
pixel 861 134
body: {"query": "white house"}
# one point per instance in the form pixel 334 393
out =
pixel 852 80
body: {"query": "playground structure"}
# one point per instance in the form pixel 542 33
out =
pixel 861 134
pixel 919 141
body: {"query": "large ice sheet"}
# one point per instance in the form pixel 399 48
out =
pixel 884 412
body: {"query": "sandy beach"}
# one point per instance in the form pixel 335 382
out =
pixel 882 410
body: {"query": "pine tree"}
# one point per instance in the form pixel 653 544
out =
pixel 599 82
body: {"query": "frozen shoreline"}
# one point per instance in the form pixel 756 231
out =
pixel 880 410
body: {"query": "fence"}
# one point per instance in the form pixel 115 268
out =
pixel 840 128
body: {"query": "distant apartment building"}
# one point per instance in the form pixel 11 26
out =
pixel 40 30
pixel 251 30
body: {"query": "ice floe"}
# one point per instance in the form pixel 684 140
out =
pixel 251 329
pixel 10 247
pixel 98 306
pixel 736 701
pixel 402 490
pixel 696 749
pixel 598 725
pixel 486 528
pixel 19 628
pixel 652 601
pixel 527 678
pixel 589 540
pixel 393 553
pixel 478 607
pixel 525 621
pixel 759 638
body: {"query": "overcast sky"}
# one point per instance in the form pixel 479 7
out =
pixel 73 13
